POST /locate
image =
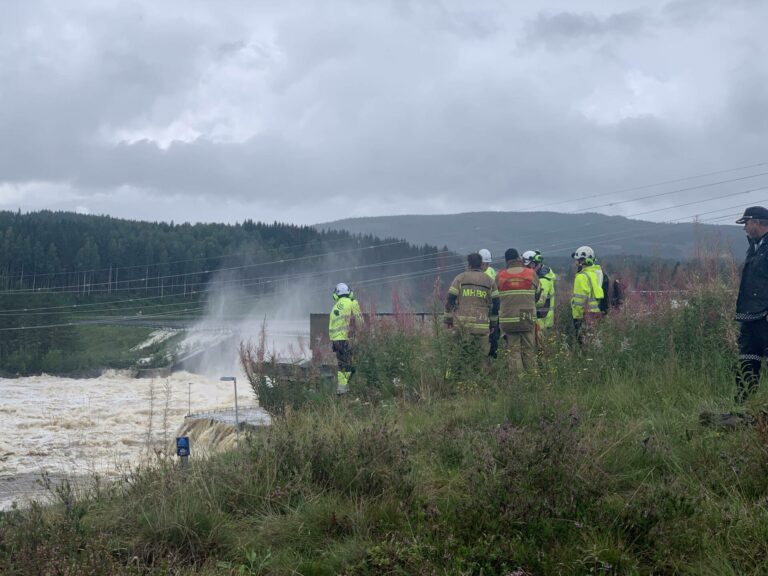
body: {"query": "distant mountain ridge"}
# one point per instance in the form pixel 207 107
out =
pixel 554 233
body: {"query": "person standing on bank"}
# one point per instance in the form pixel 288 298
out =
pixel 587 300
pixel 518 288
pixel 752 302
pixel 344 319
pixel 545 303
pixel 493 338
pixel 469 306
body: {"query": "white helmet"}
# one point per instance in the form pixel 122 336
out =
pixel 531 257
pixel 485 255
pixel 584 253
pixel 342 290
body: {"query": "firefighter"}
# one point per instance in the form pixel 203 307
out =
pixel 587 299
pixel 471 307
pixel 545 303
pixel 518 287
pixel 752 302
pixel 344 319
pixel 493 338
pixel 486 263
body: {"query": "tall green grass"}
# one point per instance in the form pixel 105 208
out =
pixel 593 463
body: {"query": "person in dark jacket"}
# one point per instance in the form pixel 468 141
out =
pixel 752 302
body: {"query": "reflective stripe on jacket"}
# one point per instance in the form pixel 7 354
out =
pixel 517 287
pixel 587 291
pixel 545 305
pixel 469 301
pixel 343 314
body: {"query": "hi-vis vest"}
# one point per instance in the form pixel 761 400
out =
pixel 491 272
pixel 545 305
pixel 342 314
pixel 473 301
pixel 587 291
pixel 517 288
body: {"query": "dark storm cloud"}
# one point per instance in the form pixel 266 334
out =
pixel 301 110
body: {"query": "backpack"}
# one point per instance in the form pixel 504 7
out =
pixel 613 294
pixel 617 294
pixel 605 301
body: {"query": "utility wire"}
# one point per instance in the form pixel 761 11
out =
pixel 646 186
pixel 95 287
pixel 78 287
pixel 352 238
pixel 284 278
pixel 237 282
pixel 669 192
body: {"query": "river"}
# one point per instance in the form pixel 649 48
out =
pixel 77 427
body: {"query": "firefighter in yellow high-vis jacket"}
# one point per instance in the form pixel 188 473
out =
pixel 587 289
pixel 345 317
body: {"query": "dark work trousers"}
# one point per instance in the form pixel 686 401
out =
pixel 753 347
pixel 343 351
pixel 493 340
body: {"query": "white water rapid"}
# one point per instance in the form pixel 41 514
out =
pixel 78 427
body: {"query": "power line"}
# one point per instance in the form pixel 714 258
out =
pixel 95 287
pixel 255 298
pixel 679 190
pixel 647 186
pixel 238 282
pixel 381 280
pixel 350 238
pixel 117 270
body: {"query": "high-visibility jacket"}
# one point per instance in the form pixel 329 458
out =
pixel 517 287
pixel 469 301
pixel 587 291
pixel 345 315
pixel 491 272
pixel 545 304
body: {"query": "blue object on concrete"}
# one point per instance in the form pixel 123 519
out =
pixel 182 446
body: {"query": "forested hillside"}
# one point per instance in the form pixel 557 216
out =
pixel 60 271
pixel 67 252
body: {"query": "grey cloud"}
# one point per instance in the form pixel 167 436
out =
pixel 748 104
pixel 563 28
pixel 371 107
pixel 687 13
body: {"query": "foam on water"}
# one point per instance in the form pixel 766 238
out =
pixel 76 427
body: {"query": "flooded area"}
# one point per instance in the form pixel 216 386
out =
pixel 78 427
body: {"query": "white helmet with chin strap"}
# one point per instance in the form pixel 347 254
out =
pixel 341 290
pixel 584 253
pixel 485 254
pixel 531 257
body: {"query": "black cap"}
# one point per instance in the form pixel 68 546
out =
pixel 754 213
pixel 511 254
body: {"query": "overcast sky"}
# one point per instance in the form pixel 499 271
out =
pixel 311 111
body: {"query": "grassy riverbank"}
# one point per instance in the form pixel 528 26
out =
pixel 593 464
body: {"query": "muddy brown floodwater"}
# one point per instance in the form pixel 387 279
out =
pixel 69 427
